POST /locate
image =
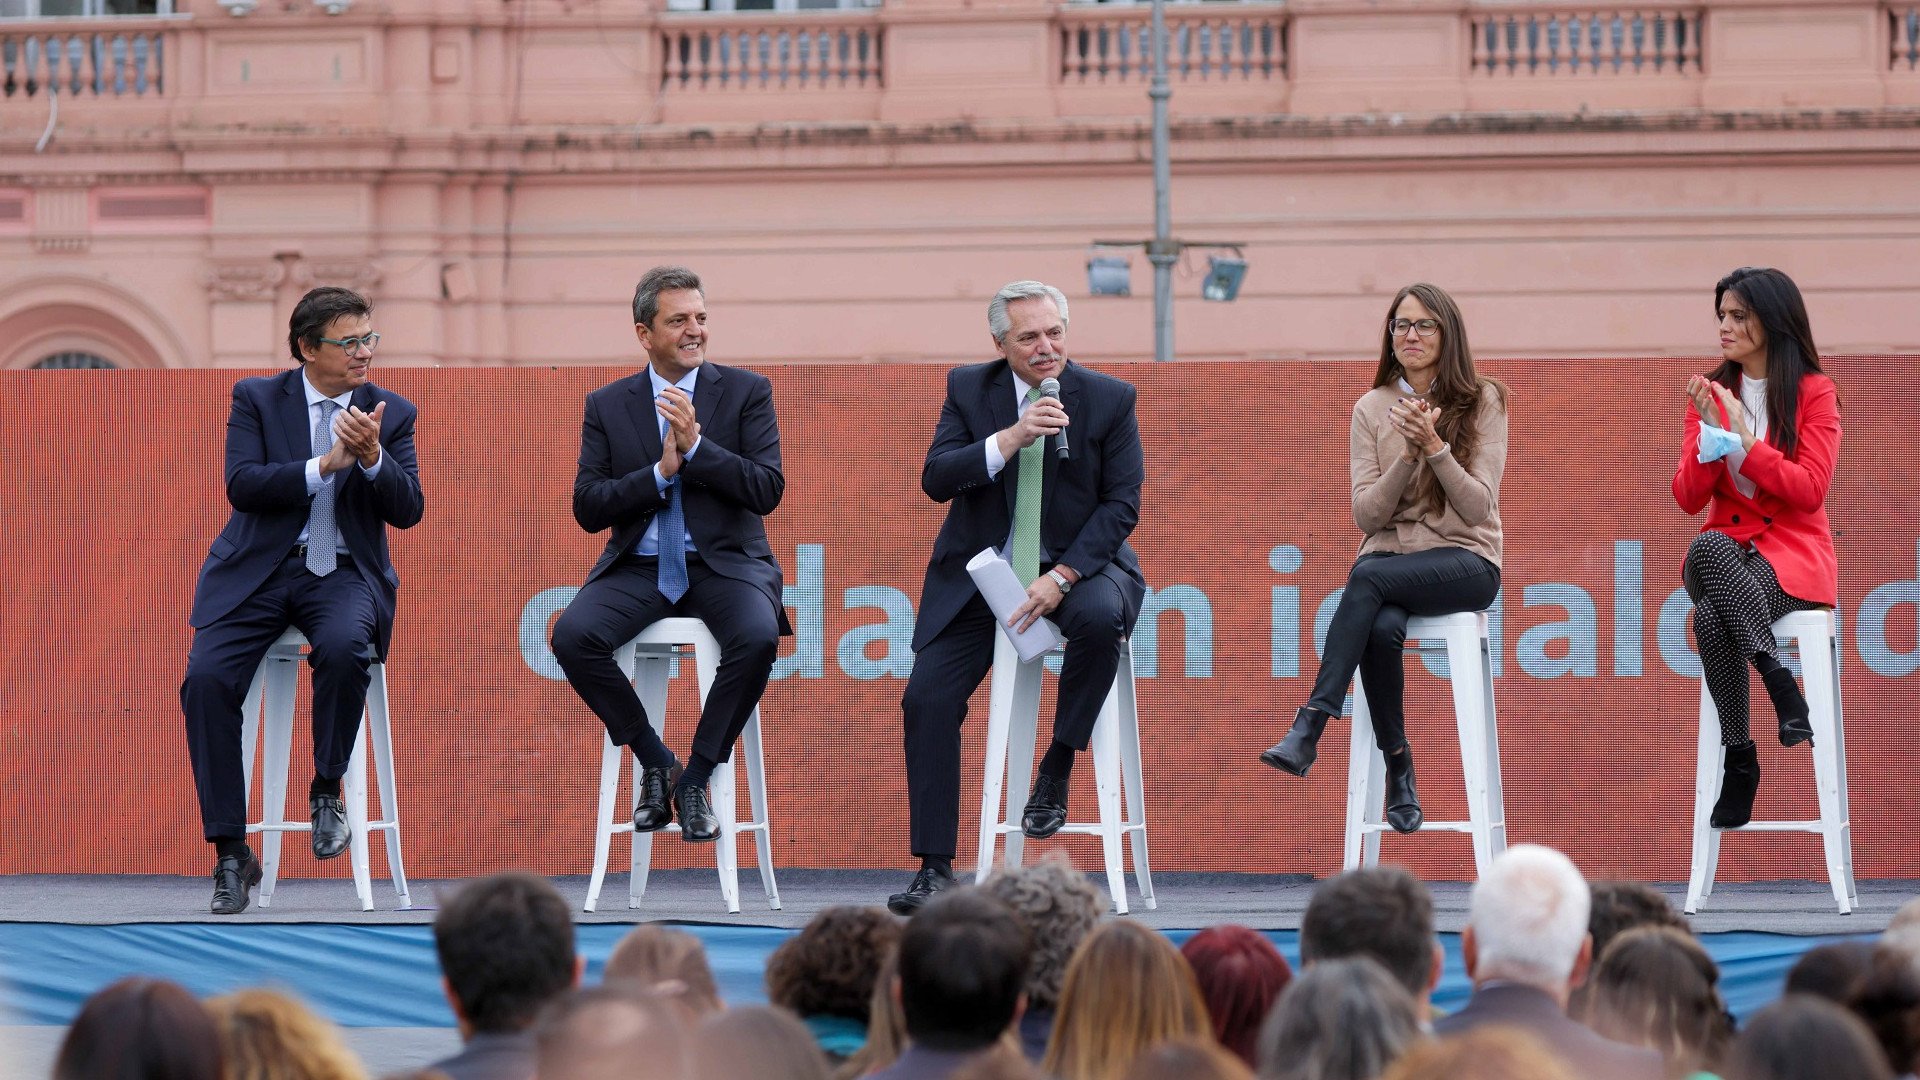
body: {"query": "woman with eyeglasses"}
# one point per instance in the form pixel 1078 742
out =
pixel 1762 432
pixel 1429 445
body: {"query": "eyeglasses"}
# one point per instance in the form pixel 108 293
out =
pixel 1399 327
pixel 353 345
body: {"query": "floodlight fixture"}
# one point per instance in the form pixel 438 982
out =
pixel 1109 275
pixel 1224 274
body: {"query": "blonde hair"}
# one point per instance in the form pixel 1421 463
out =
pixel 668 962
pixel 1488 1053
pixel 268 1035
pixel 1127 991
pixel 886 1025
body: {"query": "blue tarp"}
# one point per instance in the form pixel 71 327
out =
pixel 386 976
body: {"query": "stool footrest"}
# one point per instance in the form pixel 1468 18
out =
pixel 285 826
pixel 1426 826
pixel 1071 829
pixel 1814 826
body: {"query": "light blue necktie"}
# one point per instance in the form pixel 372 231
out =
pixel 322 536
pixel 673 536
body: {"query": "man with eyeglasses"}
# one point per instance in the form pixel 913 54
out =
pixel 319 462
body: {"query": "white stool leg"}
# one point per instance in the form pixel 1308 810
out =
pixel 1022 736
pixel 1496 788
pixel 1130 764
pixel 1106 784
pixel 1366 788
pixel 610 756
pixel 278 717
pixel 380 727
pixel 1816 666
pixel 1464 658
pixel 1838 738
pixel 353 791
pixel 650 672
pixel 999 714
pixel 757 800
pixel 1710 761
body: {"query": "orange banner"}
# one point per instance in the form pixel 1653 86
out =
pixel 114 493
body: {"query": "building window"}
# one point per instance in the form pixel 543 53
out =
pixel 81 9
pixel 756 5
pixel 73 361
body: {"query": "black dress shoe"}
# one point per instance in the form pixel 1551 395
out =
pixel 1296 752
pixel 1791 705
pixel 1046 808
pixel 1403 802
pixel 234 877
pixel 654 811
pixel 697 822
pixel 925 884
pixel 330 833
pixel 1734 808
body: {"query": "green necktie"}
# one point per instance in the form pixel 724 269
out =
pixel 1026 508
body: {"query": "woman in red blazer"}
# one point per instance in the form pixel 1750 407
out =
pixel 1771 430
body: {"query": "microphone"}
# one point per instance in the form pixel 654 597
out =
pixel 1051 388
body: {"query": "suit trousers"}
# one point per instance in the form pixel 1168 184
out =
pixel 337 614
pixel 609 610
pixel 946 673
pixel 1369 627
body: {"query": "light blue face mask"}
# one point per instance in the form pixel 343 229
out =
pixel 1716 443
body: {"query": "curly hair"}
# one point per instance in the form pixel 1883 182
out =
pixel 828 968
pixel 1060 907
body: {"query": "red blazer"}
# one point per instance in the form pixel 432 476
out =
pixel 1786 520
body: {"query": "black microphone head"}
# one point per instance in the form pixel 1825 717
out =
pixel 1050 388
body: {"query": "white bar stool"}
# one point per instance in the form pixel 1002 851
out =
pixel 274 683
pixel 1816 639
pixel 1470 665
pixel 647 660
pixel 1012 723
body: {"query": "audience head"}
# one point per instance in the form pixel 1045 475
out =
pixel 1380 911
pixel 828 968
pixel 1060 906
pixel 1241 975
pixel 611 1033
pixel 506 949
pixel 1619 906
pixel 1655 986
pixel 961 964
pixel 267 1035
pixel 1801 1037
pixel 756 1043
pixel 1339 1020
pixel 1887 997
pixel 1127 990
pixel 668 962
pixel 141 1029
pixel 1483 1053
pixel 1908 914
pixel 1527 921
pixel 1189 1059
pixel 1830 971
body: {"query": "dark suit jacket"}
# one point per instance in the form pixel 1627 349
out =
pixel 1090 502
pixel 269 440
pixel 1507 1004
pixel 919 1063
pixel 510 1056
pixel 728 487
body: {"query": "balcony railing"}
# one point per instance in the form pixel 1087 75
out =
pixel 812 52
pixel 1624 41
pixel 100 58
pixel 1905 36
pixel 1115 45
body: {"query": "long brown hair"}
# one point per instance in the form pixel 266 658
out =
pixel 1127 990
pixel 1457 388
pixel 1655 986
pixel 1775 301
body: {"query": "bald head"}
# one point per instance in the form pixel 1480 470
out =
pixel 611 1034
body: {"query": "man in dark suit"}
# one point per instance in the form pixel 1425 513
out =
pixel 960 979
pixel 506 950
pixel 1526 946
pixel 319 462
pixel 996 443
pixel 682 462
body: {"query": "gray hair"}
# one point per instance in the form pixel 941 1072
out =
pixel 997 321
pixel 1341 1019
pixel 646 295
pixel 1528 915
pixel 1060 907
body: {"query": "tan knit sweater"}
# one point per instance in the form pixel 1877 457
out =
pixel 1383 482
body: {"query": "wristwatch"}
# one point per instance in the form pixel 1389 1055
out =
pixel 1060 579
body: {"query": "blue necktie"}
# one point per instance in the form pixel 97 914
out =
pixel 673 537
pixel 322 536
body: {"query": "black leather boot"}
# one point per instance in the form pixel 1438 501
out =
pixel 1735 805
pixel 1296 752
pixel 1403 802
pixel 1790 704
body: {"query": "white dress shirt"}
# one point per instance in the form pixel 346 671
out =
pixel 314 480
pixel 650 540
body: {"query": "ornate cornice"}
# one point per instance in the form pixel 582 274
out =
pixel 357 274
pixel 244 279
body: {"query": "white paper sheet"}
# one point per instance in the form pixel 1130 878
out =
pixel 1001 588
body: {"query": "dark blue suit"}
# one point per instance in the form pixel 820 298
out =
pixel 1089 506
pixel 252 586
pixel 729 485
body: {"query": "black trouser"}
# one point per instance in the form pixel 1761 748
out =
pixel 337 615
pixel 1369 628
pixel 610 610
pixel 946 673
pixel 1736 599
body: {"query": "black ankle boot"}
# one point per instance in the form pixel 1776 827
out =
pixel 1296 752
pixel 1742 782
pixel 1790 704
pixel 1403 802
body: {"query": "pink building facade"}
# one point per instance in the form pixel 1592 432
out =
pixel 854 182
